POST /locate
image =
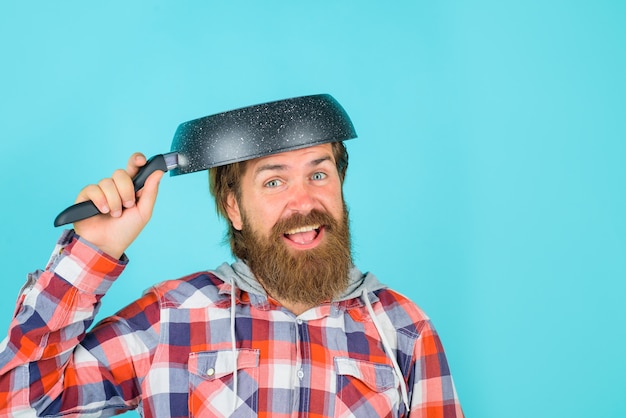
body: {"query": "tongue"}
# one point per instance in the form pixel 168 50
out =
pixel 302 237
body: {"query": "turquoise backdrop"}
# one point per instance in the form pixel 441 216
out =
pixel 487 182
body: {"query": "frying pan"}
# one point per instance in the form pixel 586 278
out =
pixel 239 135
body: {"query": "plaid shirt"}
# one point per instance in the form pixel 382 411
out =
pixel 172 352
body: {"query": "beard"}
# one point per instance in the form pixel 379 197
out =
pixel 308 276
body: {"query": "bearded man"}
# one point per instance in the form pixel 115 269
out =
pixel 291 328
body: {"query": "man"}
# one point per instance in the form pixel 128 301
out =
pixel 291 328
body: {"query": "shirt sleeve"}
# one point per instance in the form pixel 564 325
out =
pixel 433 391
pixel 49 364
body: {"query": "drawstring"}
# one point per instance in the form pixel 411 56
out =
pixel 387 347
pixel 233 342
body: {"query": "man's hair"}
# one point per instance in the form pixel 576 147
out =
pixel 227 179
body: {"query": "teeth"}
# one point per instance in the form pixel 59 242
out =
pixel 302 229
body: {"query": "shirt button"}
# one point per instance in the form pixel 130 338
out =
pixel 299 321
pixel 300 374
pixel 210 372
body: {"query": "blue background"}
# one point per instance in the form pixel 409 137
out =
pixel 487 182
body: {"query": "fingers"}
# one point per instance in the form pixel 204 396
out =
pixel 119 191
pixel 112 195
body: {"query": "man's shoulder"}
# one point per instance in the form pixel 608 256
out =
pixel 200 289
pixel 400 308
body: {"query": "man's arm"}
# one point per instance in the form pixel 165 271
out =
pixel 434 393
pixel 53 313
pixel 57 306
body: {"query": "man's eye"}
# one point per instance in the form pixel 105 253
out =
pixel 272 183
pixel 318 176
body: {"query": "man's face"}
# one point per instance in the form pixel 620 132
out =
pixel 293 219
pixel 281 185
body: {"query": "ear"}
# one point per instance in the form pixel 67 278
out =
pixel 233 211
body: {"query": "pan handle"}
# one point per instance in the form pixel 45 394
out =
pixel 84 210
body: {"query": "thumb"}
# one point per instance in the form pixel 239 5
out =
pixel 149 193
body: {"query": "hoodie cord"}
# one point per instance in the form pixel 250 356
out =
pixel 233 342
pixel 388 350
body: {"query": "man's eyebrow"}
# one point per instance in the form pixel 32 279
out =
pixel 269 167
pixel 320 160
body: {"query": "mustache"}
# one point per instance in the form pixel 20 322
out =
pixel 297 220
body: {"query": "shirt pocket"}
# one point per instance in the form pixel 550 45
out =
pixel 211 383
pixel 366 389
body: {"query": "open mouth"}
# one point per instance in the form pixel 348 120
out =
pixel 305 236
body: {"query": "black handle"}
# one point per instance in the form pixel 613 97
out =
pixel 84 210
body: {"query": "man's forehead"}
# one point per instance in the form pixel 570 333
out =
pixel 309 155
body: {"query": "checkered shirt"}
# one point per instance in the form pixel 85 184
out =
pixel 171 354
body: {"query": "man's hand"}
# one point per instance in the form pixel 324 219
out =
pixel 124 213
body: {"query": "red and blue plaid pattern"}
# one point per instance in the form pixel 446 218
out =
pixel 170 352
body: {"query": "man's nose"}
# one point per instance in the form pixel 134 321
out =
pixel 301 198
